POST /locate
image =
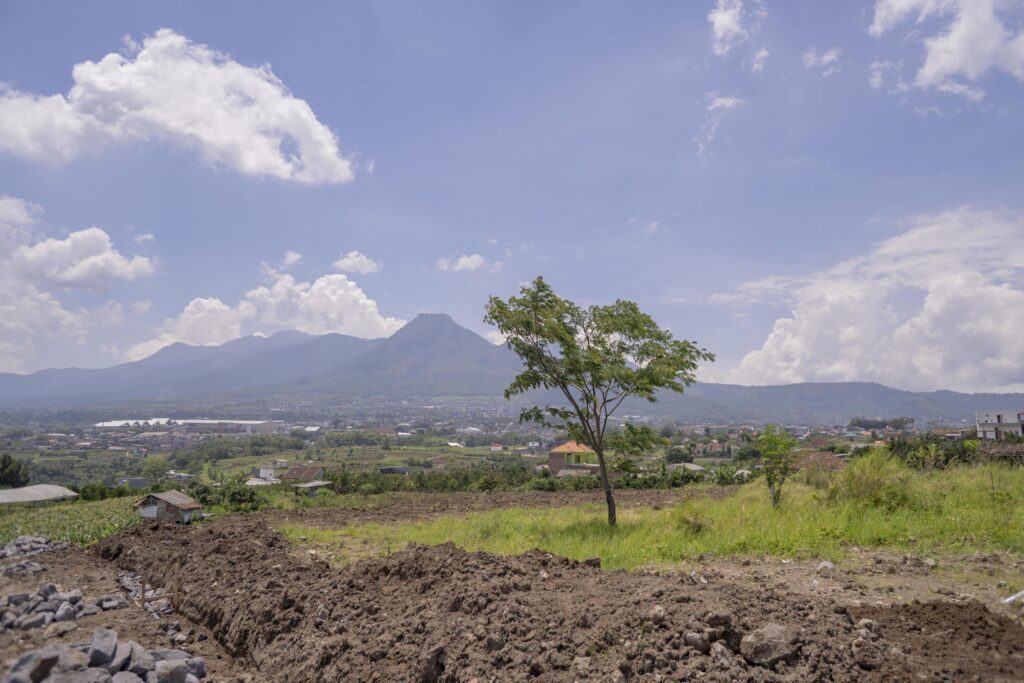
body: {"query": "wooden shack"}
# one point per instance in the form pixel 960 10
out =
pixel 170 506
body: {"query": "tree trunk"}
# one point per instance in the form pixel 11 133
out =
pixel 608 497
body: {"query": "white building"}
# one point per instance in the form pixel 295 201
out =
pixel 999 425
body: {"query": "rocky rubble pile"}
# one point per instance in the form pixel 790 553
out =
pixel 153 598
pixel 24 546
pixel 48 605
pixel 22 567
pixel 106 659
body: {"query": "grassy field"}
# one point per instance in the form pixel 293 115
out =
pixel 78 522
pixel 953 511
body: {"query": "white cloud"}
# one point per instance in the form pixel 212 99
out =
pixel 758 59
pixel 85 259
pixel 495 337
pixel 465 262
pixel 715 109
pixel 30 314
pixel 355 262
pixel 290 259
pixel 826 63
pixel 733 22
pixel 331 303
pixel 975 40
pixel 144 238
pixel 173 90
pixel 141 308
pixel 930 308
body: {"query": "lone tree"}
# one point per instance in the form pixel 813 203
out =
pixel 596 357
pixel 776 448
pixel 13 472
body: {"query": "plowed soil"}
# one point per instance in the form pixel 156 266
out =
pixel 262 609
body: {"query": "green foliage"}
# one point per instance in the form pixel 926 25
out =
pixel 953 510
pixel 875 480
pixel 155 467
pixel 13 472
pixel 678 454
pixel 595 357
pixel 930 451
pixel 776 448
pixel 79 522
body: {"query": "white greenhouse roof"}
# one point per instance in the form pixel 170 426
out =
pixel 39 493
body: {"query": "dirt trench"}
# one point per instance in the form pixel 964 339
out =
pixel 441 614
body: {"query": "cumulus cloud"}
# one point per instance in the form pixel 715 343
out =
pixel 930 308
pixel 825 63
pixel 715 108
pixel 975 40
pixel 465 262
pixel 172 90
pixel 355 262
pixel 144 239
pixel 29 313
pixel 331 303
pixel 733 22
pixel 85 259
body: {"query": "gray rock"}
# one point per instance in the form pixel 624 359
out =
pixel 17 599
pixel 102 647
pixel 72 660
pixel 89 610
pixel 197 667
pixel 113 602
pixel 33 666
pixel 769 644
pixel 170 654
pixel 93 675
pixel 190 678
pixel 59 628
pixel 122 654
pixel 721 654
pixel 171 671
pixel 72 596
pixel 46 606
pixel 126 677
pixel 825 567
pixel 141 662
pixel 930 563
pixel 657 615
pixel 66 612
pixel 46 590
pixel 30 621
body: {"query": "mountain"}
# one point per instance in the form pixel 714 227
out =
pixel 432 357
pixel 181 370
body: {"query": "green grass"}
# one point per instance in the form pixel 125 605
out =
pixel 78 522
pixel 960 510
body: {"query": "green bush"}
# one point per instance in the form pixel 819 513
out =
pixel 875 480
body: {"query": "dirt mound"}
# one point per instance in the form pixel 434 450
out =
pixel 953 641
pixel 441 614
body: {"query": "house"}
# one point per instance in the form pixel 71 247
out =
pixel 169 506
pixel 497 448
pixel 179 476
pixel 279 464
pixel 307 472
pixel 264 471
pixel 999 425
pixel 37 493
pixel 572 455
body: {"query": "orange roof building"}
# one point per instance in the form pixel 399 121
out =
pixel 571 447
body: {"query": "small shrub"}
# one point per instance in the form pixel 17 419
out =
pixel 876 480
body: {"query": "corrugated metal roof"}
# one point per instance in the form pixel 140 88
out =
pixel 39 493
pixel 177 499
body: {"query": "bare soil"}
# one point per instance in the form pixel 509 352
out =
pixel 273 611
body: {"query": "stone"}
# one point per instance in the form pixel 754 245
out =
pixel 46 606
pixel 825 567
pixel 33 666
pixel 179 638
pixel 930 563
pixel 72 660
pixel 170 654
pixel 140 662
pixel 37 620
pixel 72 596
pixel 59 628
pixel 657 615
pixel 93 675
pixel 593 562
pixel 89 610
pixel 721 654
pixel 113 602
pixel 122 654
pixel 126 677
pixel 102 647
pixel 767 645
pixel 197 667
pixel 46 590
pixel 66 612
pixel 171 671
pixel 190 678
pixel 17 599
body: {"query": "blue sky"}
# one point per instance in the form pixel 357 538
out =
pixel 815 191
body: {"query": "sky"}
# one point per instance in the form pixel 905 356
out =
pixel 813 191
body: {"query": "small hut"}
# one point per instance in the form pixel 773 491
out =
pixel 170 506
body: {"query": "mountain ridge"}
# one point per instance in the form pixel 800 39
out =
pixel 434 357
